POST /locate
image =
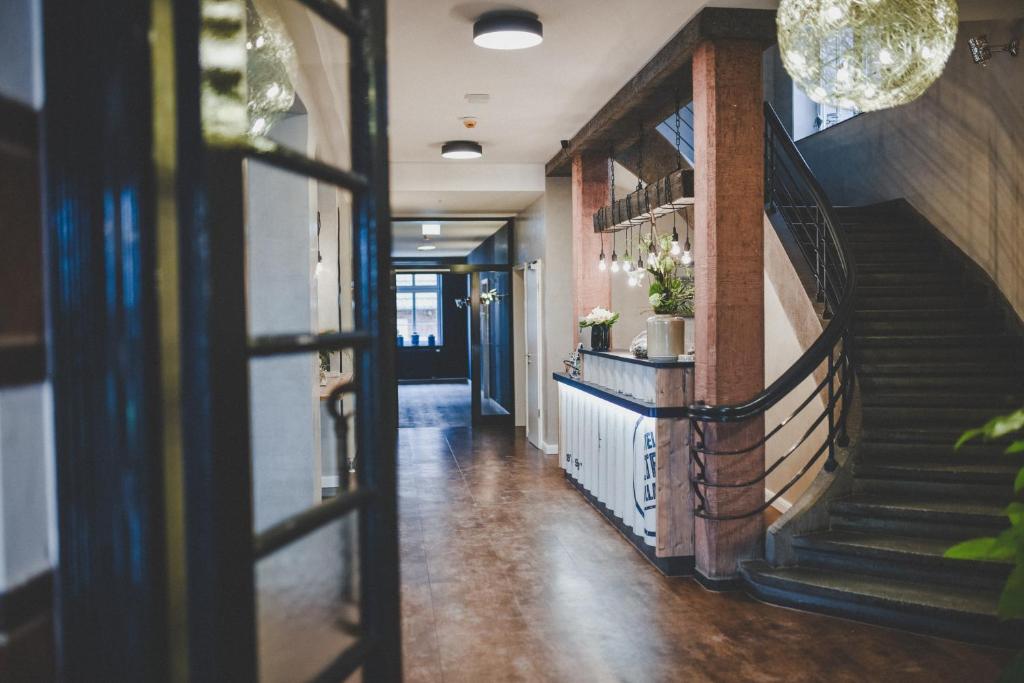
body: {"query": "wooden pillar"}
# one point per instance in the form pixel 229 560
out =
pixel 591 287
pixel 729 246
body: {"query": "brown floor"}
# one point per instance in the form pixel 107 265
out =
pixel 508 575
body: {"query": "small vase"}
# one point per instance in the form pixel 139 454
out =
pixel 600 337
pixel 666 337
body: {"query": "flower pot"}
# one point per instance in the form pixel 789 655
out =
pixel 600 337
pixel 666 337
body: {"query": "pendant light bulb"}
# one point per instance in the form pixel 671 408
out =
pixel 627 265
pixel 615 263
pixel 602 265
pixel 675 243
pixel 687 257
pixel 652 257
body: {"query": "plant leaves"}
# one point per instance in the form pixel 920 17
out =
pixel 998 548
pixel 968 435
pixel 1018 484
pixel 1015 511
pixel 1006 424
pixel 1011 601
pixel 1015 447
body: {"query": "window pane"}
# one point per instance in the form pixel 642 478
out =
pixel 426 279
pixel 426 316
pixel 403 304
pixel 403 279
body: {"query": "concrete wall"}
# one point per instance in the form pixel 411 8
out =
pixel 544 231
pixel 285 417
pixel 956 154
pixel 28 532
pixel 791 325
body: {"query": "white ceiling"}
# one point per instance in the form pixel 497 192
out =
pixel 457 239
pixel 539 96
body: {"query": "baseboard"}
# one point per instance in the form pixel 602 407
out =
pixel 435 380
pixel 329 481
pixel 782 505
pixel 549 449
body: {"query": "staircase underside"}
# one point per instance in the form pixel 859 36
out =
pixel 935 358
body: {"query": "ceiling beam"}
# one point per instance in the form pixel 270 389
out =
pixel 650 96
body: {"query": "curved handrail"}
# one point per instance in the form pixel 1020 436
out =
pixel 795 194
pixel 842 309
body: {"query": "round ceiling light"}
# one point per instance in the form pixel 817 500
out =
pixel 866 54
pixel 462 149
pixel 426 247
pixel 508 31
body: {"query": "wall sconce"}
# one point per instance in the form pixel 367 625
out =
pixel 462 303
pixel 981 51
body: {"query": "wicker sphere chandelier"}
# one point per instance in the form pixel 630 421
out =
pixel 866 54
pixel 271 61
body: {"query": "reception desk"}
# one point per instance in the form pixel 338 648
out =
pixel 623 443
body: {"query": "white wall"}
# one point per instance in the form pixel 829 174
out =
pixel 544 231
pixel 28 531
pixel 285 411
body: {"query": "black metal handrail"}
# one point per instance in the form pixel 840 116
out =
pixel 793 193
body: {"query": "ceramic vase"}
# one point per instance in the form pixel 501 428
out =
pixel 666 337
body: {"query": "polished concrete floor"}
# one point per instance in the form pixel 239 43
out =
pixel 508 575
pixel 434 405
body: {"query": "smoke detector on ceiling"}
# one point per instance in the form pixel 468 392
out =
pixel 478 98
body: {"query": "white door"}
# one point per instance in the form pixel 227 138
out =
pixel 534 366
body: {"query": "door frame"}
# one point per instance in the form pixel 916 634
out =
pixel 537 267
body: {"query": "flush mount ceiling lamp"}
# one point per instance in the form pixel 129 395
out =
pixel 508 31
pixel 866 55
pixel 427 245
pixel 981 51
pixel 462 149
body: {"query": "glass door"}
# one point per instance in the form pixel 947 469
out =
pixel 492 361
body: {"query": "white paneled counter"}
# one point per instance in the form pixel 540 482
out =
pixel 623 443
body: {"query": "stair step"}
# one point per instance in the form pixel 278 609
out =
pixel 922 314
pixel 935 518
pixel 895 278
pixel 991 400
pixel 959 324
pixel 995 494
pixel 1000 474
pixel 946 306
pixel 949 611
pixel 972 453
pixel 916 267
pixel 972 370
pixel 897 557
pixel 923 417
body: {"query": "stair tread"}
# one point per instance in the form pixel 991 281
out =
pixel 885 545
pixel 886 591
pixel 912 469
pixel 923 507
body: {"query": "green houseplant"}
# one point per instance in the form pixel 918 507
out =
pixel 671 295
pixel 1008 546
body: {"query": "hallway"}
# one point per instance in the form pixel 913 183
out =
pixel 507 574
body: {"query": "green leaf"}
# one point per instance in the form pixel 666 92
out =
pixel 1011 601
pixel 1006 424
pixel 992 548
pixel 1014 671
pixel 968 435
pixel 1015 511
pixel 1018 484
pixel 1015 447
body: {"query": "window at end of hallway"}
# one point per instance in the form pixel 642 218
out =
pixel 418 305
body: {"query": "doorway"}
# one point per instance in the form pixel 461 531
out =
pixel 534 352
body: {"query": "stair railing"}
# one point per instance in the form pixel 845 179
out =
pixel 793 194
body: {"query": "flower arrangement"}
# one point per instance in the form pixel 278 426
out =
pixel 671 289
pixel 489 297
pixel 599 316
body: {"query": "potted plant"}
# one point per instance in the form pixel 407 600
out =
pixel 671 295
pixel 600 321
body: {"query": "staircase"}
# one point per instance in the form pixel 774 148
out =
pixel 935 358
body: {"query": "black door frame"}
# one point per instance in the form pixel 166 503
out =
pixel 150 379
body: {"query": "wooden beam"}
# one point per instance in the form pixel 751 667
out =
pixel 676 188
pixel 650 96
